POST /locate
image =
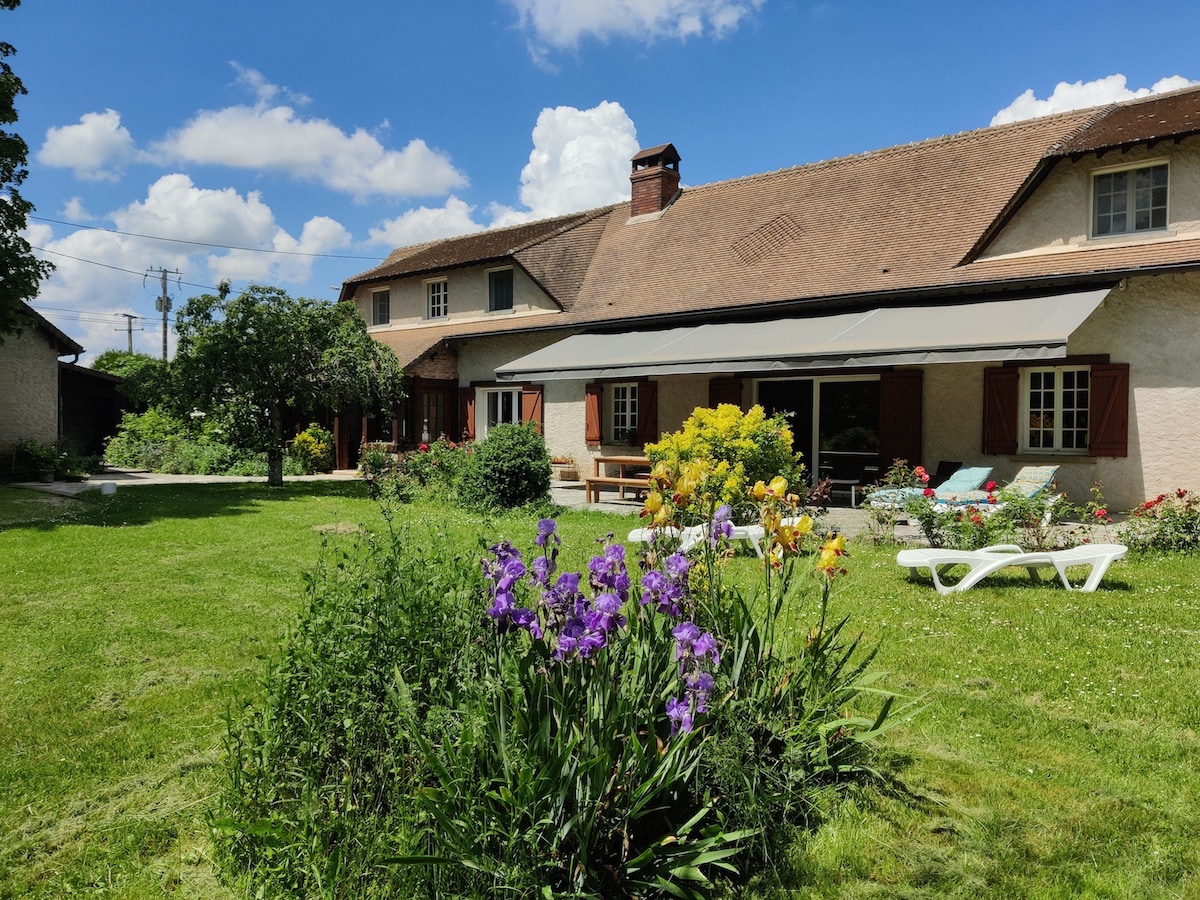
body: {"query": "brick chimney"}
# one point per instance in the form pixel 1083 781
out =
pixel 655 179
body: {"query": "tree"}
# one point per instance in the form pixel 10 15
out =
pixel 256 354
pixel 144 378
pixel 20 270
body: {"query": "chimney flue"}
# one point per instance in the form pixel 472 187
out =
pixel 654 179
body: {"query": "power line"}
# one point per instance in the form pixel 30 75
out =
pixel 92 262
pixel 154 237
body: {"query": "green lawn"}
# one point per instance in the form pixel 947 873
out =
pixel 1056 756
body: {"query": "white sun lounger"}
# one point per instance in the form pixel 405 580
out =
pixel 691 537
pixel 982 563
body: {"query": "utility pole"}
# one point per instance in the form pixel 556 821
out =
pixel 163 304
pixel 129 317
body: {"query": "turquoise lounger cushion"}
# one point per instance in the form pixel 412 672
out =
pixel 968 478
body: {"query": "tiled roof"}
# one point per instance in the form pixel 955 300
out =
pixel 1174 115
pixel 411 344
pixel 893 220
pixel 482 246
pixel 891 223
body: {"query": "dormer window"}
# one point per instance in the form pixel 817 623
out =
pixel 1129 201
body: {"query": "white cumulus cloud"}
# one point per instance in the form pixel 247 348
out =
pixel 97 148
pixel 426 224
pixel 1082 94
pixel 580 160
pixel 562 23
pixel 274 137
pixel 173 206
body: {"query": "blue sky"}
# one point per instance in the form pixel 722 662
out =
pixel 337 131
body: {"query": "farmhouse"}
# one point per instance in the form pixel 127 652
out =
pixel 1021 294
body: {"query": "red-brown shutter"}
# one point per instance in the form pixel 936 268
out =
pixel 593 394
pixel 1001 398
pixel 1109 413
pixel 647 412
pixel 466 412
pixel 724 390
pixel 900 417
pixel 531 406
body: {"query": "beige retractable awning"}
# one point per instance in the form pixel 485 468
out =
pixel 990 331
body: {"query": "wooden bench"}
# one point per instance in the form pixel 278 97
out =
pixel 591 485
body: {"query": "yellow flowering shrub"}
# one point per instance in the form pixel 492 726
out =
pixel 736 448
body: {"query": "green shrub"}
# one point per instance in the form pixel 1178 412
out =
pixel 1007 517
pixel 740 448
pixel 318 778
pixel 508 469
pixel 435 728
pixel 1168 522
pixel 142 439
pixel 312 449
pixel 439 464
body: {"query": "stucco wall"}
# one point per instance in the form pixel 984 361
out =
pixel 564 405
pixel 28 388
pixel 468 299
pixel 1152 324
pixel 1058 216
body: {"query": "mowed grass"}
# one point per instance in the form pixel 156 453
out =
pixel 1056 755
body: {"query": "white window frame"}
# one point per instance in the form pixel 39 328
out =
pixel 493 408
pixel 1032 381
pixel 1131 228
pixel 513 305
pixel 376 319
pixel 437 298
pixel 622 409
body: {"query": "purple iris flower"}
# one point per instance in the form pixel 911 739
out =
pixel 699 685
pixel 722 525
pixel 680 714
pixel 685 634
pixel 661 591
pixel 540 570
pixel 605 613
pixel 546 532
pixel 706 646
pixel 677 567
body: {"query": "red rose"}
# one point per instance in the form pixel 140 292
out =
pixel 990 486
pixel 929 492
pixel 1101 513
pixel 423 448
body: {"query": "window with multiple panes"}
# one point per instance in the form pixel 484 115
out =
pixel 624 410
pixel 503 407
pixel 1057 402
pixel 381 307
pixel 1130 200
pixel 438 299
pixel 500 290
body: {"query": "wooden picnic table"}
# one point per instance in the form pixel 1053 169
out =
pixel 621 480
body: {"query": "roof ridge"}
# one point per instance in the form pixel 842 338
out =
pixel 894 149
pixel 581 218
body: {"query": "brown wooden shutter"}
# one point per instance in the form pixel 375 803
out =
pixel 466 412
pixel 531 406
pixel 647 412
pixel 724 390
pixel 593 395
pixel 1001 390
pixel 900 417
pixel 1109 413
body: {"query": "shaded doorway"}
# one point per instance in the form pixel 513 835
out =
pixel 834 421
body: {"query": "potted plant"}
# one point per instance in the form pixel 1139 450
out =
pixel 564 468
